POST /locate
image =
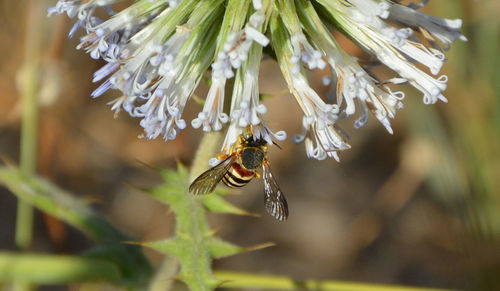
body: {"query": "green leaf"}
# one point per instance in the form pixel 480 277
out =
pixel 175 247
pixel 134 267
pixel 173 193
pixel 219 248
pixel 59 203
pixel 217 204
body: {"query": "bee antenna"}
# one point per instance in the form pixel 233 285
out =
pixel 274 143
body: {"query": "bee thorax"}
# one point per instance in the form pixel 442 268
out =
pixel 252 158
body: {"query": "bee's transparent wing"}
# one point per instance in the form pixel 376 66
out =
pixel 274 199
pixel 207 181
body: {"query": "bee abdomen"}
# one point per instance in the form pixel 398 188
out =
pixel 237 177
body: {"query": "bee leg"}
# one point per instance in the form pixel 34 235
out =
pixel 222 156
pixel 257 175
pixel 241 139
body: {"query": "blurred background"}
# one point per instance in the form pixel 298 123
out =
pixel 420 207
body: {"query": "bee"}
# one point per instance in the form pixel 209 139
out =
pixel 239 167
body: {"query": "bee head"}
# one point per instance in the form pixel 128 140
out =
pixel 247 133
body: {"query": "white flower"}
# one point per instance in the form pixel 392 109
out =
pixel 322 139
pixel 392 46
pixel 157 52
pixel 212 117
pixel 303 51
pixel 246 109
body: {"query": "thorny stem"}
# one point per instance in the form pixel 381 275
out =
pixel 209 145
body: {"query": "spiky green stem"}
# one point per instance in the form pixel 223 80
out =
pixel 191 244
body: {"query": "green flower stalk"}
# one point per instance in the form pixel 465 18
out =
pixel 157 51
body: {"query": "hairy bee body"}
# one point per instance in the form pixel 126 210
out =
pixel 239 167
pixel 244 169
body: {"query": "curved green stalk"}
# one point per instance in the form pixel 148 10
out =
pixel 55 269
pixel 60 269
pixel 255 281
pixel 134 268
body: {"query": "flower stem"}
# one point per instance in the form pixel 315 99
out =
pixel 162 281
pixel 192 230
pixel 208 147
pixel 256 281
pixel 29 124
pixel 54 269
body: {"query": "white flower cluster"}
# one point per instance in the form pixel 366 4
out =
pixel 303 51
pixel 389 33
pixel 233 55
pixel 157 52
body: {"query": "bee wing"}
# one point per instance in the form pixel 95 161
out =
pixel 207 181
pixel 274 199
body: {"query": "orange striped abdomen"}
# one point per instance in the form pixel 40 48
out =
pixel 237 176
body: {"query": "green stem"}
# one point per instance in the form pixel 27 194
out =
pixel 196 225
pixel 289 16
pixel 54 269
pixel 256 281
pixel 60 269
pixel 234 19
pixel 209 145
pixel 29 123
pixel 162 281
pixel 193 236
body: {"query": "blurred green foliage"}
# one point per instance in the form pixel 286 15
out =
pixel 134 268
pixel 119 260
pixel 466 131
